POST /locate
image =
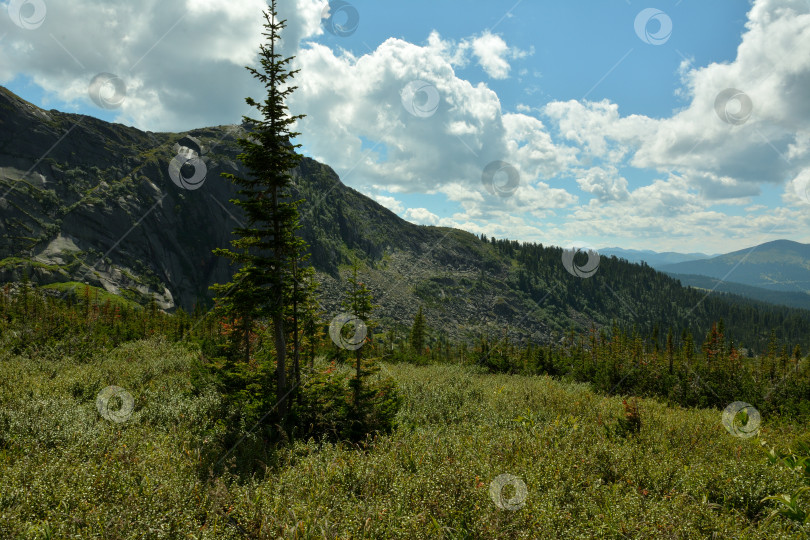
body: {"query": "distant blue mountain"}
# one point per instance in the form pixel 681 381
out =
pixel 790 299
pixel 777 272
pixel 781 265
pixel 652 258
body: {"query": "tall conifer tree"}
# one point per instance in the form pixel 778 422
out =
pixel 267 248
pixel 418 332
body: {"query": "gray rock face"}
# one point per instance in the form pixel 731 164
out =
pixel 93 202
pixel 139 213
pixel 105 207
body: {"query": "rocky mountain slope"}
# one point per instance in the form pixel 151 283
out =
pixel 85 201
pixel 82 200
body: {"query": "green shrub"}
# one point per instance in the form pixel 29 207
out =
pixel 794 506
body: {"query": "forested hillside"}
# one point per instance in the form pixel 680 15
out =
pixel 114 219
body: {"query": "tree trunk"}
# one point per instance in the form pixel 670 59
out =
pixel 296 340
pixel 278 314
pixel 246 336
pixel 358 357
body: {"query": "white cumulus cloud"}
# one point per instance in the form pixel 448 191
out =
pixel 391 203
pixel 422 216
pixel 182 62
pixel 493 54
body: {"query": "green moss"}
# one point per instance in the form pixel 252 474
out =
pixel 100 296
pixel 11 262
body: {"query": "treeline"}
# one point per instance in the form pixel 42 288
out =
pixel 707 371
pixel 641 297
pixel 336 394
pixel 620 362
pixel 82 322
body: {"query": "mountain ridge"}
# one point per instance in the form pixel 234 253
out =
pixel 790 299
pixel 653 258
pixel 86 201
pixel 777 265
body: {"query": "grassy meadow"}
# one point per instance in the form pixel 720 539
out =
pixel 68 472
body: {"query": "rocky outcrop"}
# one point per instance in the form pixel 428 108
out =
pixel 92 202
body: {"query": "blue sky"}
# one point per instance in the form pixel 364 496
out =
pixel 615 141
pixel 575 44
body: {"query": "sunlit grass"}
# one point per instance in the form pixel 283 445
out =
pixel 66 472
